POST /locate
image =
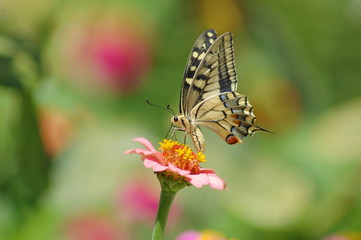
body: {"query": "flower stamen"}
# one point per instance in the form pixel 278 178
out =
pixel 181 155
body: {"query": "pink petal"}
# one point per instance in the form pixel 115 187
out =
pixel 216 183
pixel 129 151
pixel 146 154
pixel 206 170
pixel 198 180
pixel 178 170
pixel 158 156
pixel 138 151
pixel 157 167
pixel 145 142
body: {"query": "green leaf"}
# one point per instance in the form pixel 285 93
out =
pixel 33 162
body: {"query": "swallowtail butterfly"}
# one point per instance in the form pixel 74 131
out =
pixel 208 96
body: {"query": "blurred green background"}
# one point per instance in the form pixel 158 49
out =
pixel 74 77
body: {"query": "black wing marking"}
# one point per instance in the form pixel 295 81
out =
pixel 201 46
pixel 229 114
pixel 215 74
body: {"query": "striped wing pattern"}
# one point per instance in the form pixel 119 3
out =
pixel 228 114
pixel 200 47
pixel 208 96
pixel 212 70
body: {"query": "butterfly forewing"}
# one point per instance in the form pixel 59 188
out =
pixel 200 47
pixel 215 74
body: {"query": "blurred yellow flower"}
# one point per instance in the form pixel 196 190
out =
pixel 223 15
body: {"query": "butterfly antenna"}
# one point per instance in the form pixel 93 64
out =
pixel 166 109
pixel 171 110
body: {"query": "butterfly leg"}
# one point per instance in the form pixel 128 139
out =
pixel 172 135
pixel 174 129
pixel 185 139
pixel 171 129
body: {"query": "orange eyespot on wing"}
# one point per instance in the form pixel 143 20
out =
pixel 231 139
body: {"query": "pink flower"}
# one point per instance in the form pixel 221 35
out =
pixel 189 235
pixel 93 227
pixel 179 161
pixel 110 52
pixel 138 202
pixel 203 235
pixel 120 59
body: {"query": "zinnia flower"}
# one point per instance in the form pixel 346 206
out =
pixel 179 162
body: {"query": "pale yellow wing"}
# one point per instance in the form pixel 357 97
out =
pixel 214 72
pixel 200 47
pixel 208 96
pixel 228 114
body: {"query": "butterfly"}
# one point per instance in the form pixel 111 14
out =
pixel 208 96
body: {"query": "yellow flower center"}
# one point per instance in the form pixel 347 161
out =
pixel 181 155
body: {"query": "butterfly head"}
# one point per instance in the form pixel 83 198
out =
pixel 177 120
pixel 180 122
pixel 174 119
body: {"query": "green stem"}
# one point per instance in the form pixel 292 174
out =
pixel 165 202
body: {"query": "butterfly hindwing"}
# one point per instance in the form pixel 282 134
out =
pixel 228 114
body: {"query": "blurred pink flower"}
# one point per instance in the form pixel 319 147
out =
pixel 138 201
pixel 178 161
pixel 202 235
pixel 119 58
pixel 189 235
pixel 110 52
pixel 93 227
